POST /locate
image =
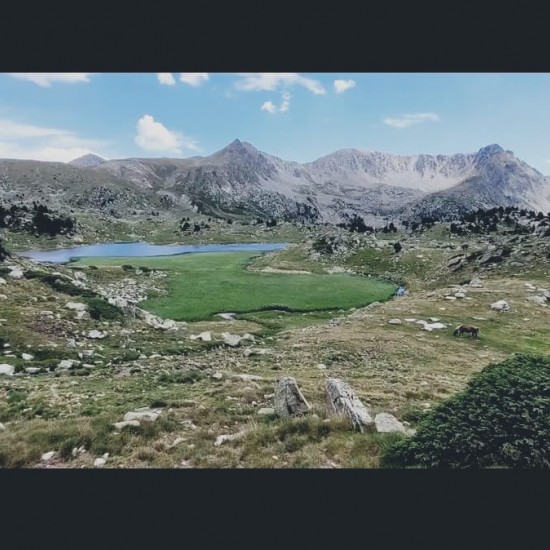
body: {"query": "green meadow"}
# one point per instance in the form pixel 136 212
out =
pixel 200 285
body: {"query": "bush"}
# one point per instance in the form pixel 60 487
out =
pixel 3 252
pixel 101 309
pixel 127 267
pixel 501 419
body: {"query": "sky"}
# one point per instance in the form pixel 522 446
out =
pixel 295 116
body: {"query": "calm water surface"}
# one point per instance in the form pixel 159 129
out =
pixel 123 250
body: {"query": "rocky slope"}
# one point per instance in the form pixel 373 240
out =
pixel 240 180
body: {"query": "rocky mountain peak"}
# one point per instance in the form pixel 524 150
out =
pixel 87 161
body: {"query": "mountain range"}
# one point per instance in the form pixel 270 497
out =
pixel 241 180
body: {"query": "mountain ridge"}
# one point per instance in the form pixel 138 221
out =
pixel 242 180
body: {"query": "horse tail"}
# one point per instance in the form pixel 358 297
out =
pixel 457 331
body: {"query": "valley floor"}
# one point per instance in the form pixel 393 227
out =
pixel 202 390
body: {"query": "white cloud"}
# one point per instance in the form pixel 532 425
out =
pixel 194 79
pixel 285 103
pixel 343 85
pixel 272 81
pixel 166 78
pixel 154 136
pixel 47 79
pixel 404 121
pixel 26 141
pixel 268 106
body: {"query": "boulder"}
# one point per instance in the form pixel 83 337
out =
pixel 3 297
pixel 217 376
pixel 540 300
pixel 395 322
pixel 288 399
pixel 46 457
pixel 227 316
pixel 232 340
pixel 76 306
pixel 342 401
pixel 387 423
pixel 501 305
pixel 27 356
pixel 3 281
pixel 203 336
pixel 67 364
pixel 98 462
pixel 7 370
pixel 147 415
pixel 32 370
pixel 96 334
pixel 221 439
pixel 2 427
pixel 16 273
pixel 476 283
pixel 266 410
pixel 460 295
pixel 120 425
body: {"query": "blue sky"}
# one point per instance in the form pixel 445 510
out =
pixel 59 116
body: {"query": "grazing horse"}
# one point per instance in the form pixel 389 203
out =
pixel 470 329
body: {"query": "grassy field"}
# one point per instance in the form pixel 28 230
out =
pixel 201 285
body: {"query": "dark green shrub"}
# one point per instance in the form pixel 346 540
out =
pixel 101 309
pixel 3 252
pixel 501 419
pixel 127 267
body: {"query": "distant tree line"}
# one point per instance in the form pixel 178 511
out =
pixel 507 219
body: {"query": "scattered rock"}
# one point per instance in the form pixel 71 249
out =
pixel 288 399
pixel 32 370
pixel 203 336
pixel 8 370
pixel 46 457
pixel 232 340
pixel 387 423
pixel 540 300
pixel 96 334
pixel 529 286
pixel 16 273
pixel 450 297
pixel 98 462
pixel 248 376
pixel 342 401
pixel 3 281
pixel 67 364
pixel 395 322
pixel 433 319
pixel 460 295
pixel 120 425
pixel 321 366
pixel 148 415
pixel 217 376
pixel 227 316
pixel 27 356
pixel 3 297
pixel 266 411
pixel 221 439
pixel 76 306
pixel 501 305
pixel 476 283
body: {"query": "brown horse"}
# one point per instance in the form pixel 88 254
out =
pixel 470 329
